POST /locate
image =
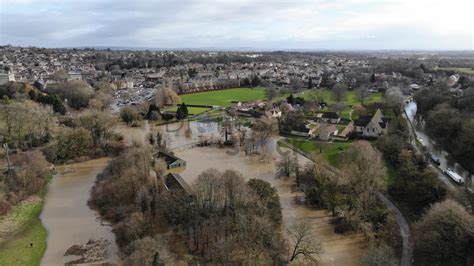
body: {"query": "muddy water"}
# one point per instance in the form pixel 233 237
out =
pixel 133 134
pixel 66 216
pixel 338 249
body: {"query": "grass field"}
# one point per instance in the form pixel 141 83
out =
pixel 467 70
pixel 224 98
pixel 191 110
pixel 331 151
pixel 16 250
pixel 350 99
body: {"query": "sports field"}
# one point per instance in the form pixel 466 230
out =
pixel 224 98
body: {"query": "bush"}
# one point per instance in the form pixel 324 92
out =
pixel 129 115
pixel 77 92
pixel 379 255
pixel 5 207
pixel 73 143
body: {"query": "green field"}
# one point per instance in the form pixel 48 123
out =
pixel 17 250
pixel 330 151
pixel 467 70
pixel 224 98
pixel 350 99
pixel 191 110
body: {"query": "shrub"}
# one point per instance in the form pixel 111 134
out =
pixel 73 143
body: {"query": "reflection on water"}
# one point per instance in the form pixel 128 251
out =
pixel 66 216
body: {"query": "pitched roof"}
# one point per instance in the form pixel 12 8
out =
pixel 362 121
pixel 173 179
pixel 330 115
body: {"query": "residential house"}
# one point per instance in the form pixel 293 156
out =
pixel 330 117
pixel 301 130
pixel 324 132
pixel 274 113
pixel 371 126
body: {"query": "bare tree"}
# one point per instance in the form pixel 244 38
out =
pixel 339 91
pixel 362 94
pixel 365 173
pixel 394 99
pixel 286 165
pixel 304 243
pixel 445 234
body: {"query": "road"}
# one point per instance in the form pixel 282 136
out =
pixel 405 232
pixel 414 142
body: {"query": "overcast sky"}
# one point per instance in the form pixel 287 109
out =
pixel 260 24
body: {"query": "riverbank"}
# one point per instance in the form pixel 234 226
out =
pixel 22 235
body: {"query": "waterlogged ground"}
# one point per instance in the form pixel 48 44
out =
pixel 338 249
pixel 66 216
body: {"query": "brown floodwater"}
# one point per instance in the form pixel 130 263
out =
pixel 338 249
pixel 66 216
pixel 69 221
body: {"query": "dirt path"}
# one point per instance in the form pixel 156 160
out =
pixel 408 243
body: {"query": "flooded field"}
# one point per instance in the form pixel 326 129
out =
pixel 338 249
pixel 69 220
pixel 66 216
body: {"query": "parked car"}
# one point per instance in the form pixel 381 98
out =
pixel 454 176
pixel 435 159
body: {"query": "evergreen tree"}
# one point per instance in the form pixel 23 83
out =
pixel 290 99
pixel 184 108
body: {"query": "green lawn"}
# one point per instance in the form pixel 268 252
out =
pixel 17 250
pixel 467 70
pixel 350 97
pixel 224 98
pixel 191 110
pixel 331 151
pixel 391 174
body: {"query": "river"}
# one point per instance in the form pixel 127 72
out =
pixel 446 160
pixel 66 216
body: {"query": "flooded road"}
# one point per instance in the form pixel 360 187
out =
pixel 66 216
pixel 446 160
pixel 338 249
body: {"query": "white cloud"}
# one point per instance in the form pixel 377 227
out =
pixel 342 24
